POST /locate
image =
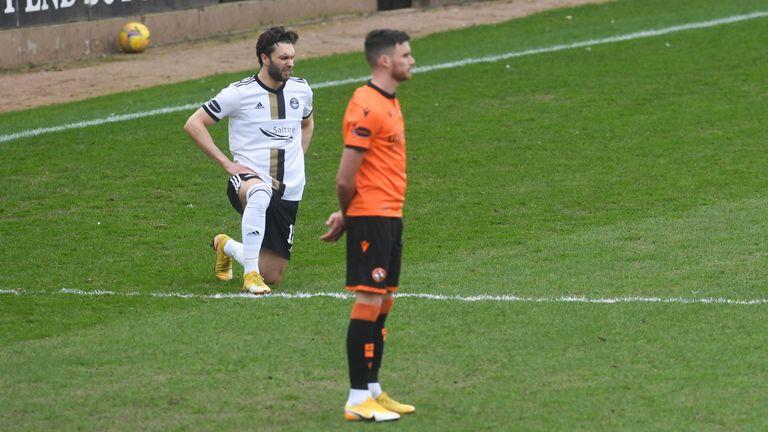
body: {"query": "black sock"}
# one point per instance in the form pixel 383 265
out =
pixel 360 352
pixel 379 337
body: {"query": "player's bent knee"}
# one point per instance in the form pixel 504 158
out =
pixel 272 276
pixel 258 196
pixel 271 266
pixel 255 192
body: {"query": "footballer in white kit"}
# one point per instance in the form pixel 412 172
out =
pixel 270 128
pixel 265 130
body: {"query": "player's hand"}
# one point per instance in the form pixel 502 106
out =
pixel 235 168
pixel 335 224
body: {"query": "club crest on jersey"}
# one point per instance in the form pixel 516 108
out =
pixel 294 103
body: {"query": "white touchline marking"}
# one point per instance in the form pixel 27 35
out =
pixel 505 298
pixel 419 69
pixel 96 122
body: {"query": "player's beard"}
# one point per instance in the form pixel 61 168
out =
pixel 401 75
pixel 276 74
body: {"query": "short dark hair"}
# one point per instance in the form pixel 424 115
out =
pixel 378 41
pixel 271 37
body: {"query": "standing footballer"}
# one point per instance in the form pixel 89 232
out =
pixel 370 187
pixel 270 127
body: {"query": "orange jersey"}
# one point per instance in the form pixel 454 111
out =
pixel 373 122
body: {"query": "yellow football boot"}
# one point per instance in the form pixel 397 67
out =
pixel 254 284
pixel 392 405
pixel 369 411
pixel 223 267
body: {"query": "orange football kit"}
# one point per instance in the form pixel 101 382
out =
pixel 373 123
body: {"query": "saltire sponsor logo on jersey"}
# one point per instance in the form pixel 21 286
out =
pixel 277 136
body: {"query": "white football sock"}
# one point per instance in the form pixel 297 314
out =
pixel 254 219
pixel 356 397
pixel 234 249
pixel 375 389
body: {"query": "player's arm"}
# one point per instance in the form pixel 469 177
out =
pixel 197 128
pixel 307 128
pixel 351 159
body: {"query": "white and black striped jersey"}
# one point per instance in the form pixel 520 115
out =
pixel 265 129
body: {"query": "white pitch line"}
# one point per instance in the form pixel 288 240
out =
pixel 507 298
pixel 96 122
pixel 420 69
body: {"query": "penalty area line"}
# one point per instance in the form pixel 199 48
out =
pixel 419 69
pixel 485 298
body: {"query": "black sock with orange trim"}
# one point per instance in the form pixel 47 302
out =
pixel 379 338
pixel 360 343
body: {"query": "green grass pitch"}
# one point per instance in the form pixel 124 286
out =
pixel 623 170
